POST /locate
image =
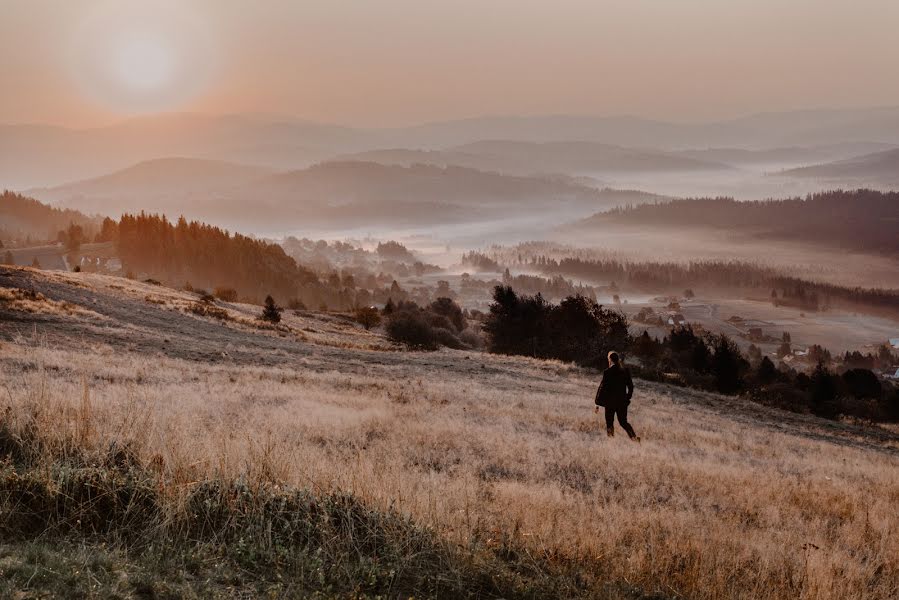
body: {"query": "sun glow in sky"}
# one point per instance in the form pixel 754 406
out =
pixel 395 62
pixel 141 57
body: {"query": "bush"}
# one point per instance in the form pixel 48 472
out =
pixel 206 309
pixel 368 317
pixel 448 338
pixel 410 327
pixel 225 294
pixel 472 338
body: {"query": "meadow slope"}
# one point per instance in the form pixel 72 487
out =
pixel 495 455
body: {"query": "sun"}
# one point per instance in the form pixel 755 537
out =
pixel 145 63
pixel 141 57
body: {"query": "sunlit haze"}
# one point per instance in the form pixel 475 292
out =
pixel 88 62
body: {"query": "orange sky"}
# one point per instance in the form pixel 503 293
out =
pixel 392 62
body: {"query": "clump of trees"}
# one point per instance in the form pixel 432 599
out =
pixel 25 221
pixel 714 362
pixel 205 255
pixel 576 330
pixel 441 323
pixel 579 330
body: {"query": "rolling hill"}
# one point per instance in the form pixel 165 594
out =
pixel 332 194
pixel 161 176
pixel 527 158
pixel 22 218
pixel 861 220
pixel 785 157
pixel 870 169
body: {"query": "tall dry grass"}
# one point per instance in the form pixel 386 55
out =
pixel 708 506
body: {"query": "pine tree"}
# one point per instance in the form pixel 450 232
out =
pixel 271 312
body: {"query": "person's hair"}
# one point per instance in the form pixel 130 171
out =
pixel 613 357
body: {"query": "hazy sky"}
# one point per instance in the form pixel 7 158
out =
pixel 389 62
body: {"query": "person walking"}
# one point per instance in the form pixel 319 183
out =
pixel 614 394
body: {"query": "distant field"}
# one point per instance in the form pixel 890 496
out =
pixel 837 330
pixel 499 456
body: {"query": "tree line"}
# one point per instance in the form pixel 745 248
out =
pixel 579 330
pixel 204 256
pixel 24 221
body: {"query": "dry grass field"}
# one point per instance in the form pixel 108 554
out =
pixel 496 456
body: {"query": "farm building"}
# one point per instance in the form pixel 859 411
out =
pixel 677 319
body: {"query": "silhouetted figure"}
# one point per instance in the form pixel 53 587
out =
pixel 614 394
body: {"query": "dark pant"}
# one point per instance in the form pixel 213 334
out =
pixel 622 419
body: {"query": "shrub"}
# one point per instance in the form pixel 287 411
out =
pixel 410 327
pixel 448 338
pixel 225 294
pixel 271 312
pixel 368 317
pixel 206 309
pixel 296 304
pixel 472 338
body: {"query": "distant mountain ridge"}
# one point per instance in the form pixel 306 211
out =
pixel 334 194
pixel 44 156
pixel 169 174
pixel 527 158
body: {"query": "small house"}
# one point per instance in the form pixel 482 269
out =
pixel 677 319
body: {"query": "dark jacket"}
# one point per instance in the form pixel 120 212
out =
pixel 616 388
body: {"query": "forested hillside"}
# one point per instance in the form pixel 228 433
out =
pixel 863 220
pixel 205 256
pixel 24 220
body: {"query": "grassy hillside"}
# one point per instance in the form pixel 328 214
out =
pixel 168 451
